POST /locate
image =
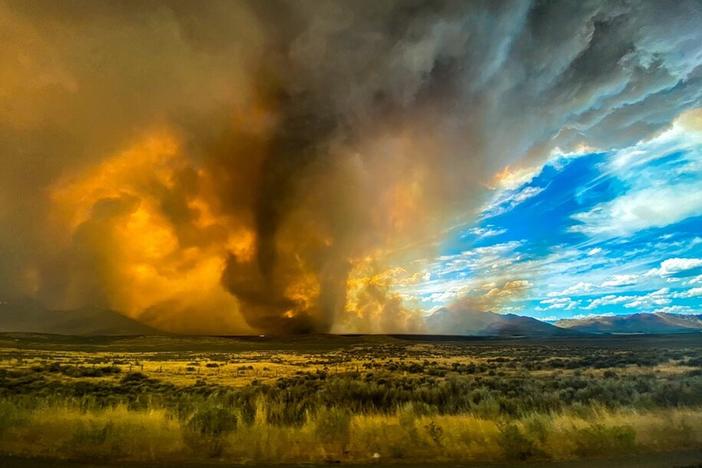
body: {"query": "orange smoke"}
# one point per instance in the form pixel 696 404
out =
pixel 372 306
pixel 152 261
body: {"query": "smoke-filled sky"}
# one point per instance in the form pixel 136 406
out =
pixel 308 166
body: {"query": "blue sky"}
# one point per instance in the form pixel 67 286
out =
pixel 592 233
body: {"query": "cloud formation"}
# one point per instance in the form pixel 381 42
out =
pixel 229 167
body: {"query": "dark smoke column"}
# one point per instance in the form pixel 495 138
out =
pixel 296 281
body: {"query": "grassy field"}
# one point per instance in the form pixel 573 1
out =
pixel 350 399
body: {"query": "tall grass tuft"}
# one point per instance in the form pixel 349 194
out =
pixel 333 426
pixel 206 428
pixel 516 445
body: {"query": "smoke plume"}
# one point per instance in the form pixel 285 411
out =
pixel 262 166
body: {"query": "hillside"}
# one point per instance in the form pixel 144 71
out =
pixel 30 316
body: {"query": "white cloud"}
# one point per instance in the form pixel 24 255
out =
pixel 553 301
pixel 694 292
pixel 579 316
pixel 507 200
pixel 594 251
pixel 659 194
pixel 497 250
pixel 655 298
pixel 610 299
pixel 681 136
pixel 695 280
pixel 474 271
pixel 563 303
pixel 488 257
pixel 620 280
pixel 641 209
pixel 676 265
pixel 488 231
pixel 525 194
pixel 577 288
pixel 674 309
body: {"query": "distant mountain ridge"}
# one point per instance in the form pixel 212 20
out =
pixel 658 322
pixel 468 322
pixel 30 316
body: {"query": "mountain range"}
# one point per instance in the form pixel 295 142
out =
pixel 30 316
pixel 658 322
pixel 449 321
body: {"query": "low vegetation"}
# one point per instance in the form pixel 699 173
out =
pixel 390 399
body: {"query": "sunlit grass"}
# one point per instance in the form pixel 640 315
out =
pixel 384 400
pixel 118 433
pixel 115 433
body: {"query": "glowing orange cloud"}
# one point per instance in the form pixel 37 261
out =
pixel 150 263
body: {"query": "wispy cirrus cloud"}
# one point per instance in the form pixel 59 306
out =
pixel 508 200
pixel 663 176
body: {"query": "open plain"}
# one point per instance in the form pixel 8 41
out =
pixel 349 399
